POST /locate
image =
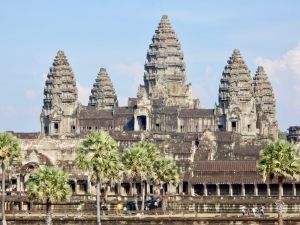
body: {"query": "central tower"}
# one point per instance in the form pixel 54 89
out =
pixel 164 76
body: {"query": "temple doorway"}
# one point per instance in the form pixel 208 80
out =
pixel 142 122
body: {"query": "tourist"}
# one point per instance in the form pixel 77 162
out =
pixel 248 211
pixel 118 208
pixel 243 211
pixel 253 211
pixel 124 208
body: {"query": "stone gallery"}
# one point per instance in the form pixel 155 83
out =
pixel 215 149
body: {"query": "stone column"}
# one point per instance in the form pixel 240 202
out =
pixel 243 189
pixel 268 190
pixel 181 188
pixel 18 183
pixel 230 190
pixel 255 190
pixel 76 188
pixel 88 186
pixel 218 193
pixel 294 189
pixel 189 188
pixel 119 189
pixel 204 190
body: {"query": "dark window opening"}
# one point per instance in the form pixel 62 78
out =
pixel 181 128
pixel 249 127
pixel 90 128
pixel 196 128
pixel 55 127
pixel 220 127
pixel 157 126
pixel 73 129
pixel 142 122
pixel 233 125
pixel 46 130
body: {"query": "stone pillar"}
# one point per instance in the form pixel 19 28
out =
pixel 18 183
pixel 189 188
pixel 230 190
pixel 294 189
pixel 76 188
pixel 255 190
pixel 268 190
pixel 148 188
pixel 243 189
pixel 119 189
pixel 88 186
pixel 181 188
pixel 204 190
pixel 218 193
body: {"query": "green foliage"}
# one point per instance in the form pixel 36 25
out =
pixel 282 135
pixel 99 153
pixel 9 148
pixel 137 163
pixel 48 183
pixel 278 159
pixel 166 171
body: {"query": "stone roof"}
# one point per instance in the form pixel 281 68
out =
pixel 225 166
pixel 196 113
pixel 33 135
pixel 126 135
pixel 224 136
pixel 123 111
pixel 94 113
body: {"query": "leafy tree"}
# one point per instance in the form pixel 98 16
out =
pixel 50 184
pixel 9 151
pixel 138 163
pixel 99 153
pixel 282 135
pixel 279 160
pixel 166 172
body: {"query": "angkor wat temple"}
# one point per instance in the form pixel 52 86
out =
pixel 215 149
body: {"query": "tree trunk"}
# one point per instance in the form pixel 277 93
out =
pixel 98 201
pixel 49 213
pixel 3 192
pixel 280 220
pixel 135 198
pixel 143 196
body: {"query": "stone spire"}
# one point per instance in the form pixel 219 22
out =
pixel 265 103
pixel 59 113
pixel 236 99
pixel 236 82
pixel 60 87
pixel 164 70
pixel 103 93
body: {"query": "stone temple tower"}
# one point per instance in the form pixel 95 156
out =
pixel 236 108
pixel 59 113
pixel 266 123
pixel 164 76
pixel 103 93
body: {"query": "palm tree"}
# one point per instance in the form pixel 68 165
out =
pixel 279 160
pixel 99 153
pixel 166 172
pixel 9 151
pixel 138 164
pixel 50 184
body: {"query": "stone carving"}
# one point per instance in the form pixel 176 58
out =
pixel 103 93
pixel 165 72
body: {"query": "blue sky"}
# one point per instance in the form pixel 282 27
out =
pixel 116 35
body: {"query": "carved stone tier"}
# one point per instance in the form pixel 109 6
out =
pixel 103 93
pixel 164 70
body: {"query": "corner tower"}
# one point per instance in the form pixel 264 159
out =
pixel 103 93
pixel 59 113
pixel 236 110
pixel 266 123
pixel 165 71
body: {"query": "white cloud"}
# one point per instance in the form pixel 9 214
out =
pixel 134 70
pixel 208 69
pixel 83 93
pixel 30 94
